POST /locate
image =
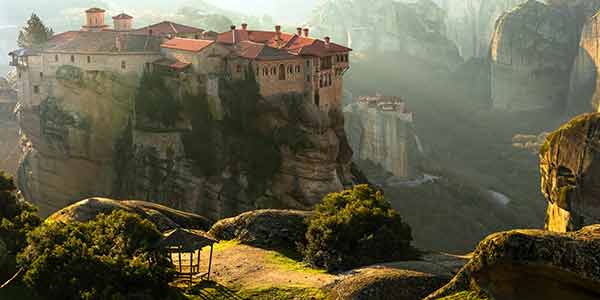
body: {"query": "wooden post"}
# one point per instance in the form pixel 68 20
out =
pixel 180 269
pixel 209 262
pixel 198 261
pixel 191 268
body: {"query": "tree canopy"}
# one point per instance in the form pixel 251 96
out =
pixel 354 228
pixel 110 257
pixel 34 34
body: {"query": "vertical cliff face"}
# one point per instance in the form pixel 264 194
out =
pixel 585 83
pixel 532 51
pixel 569 161
pixel 90 137
pixel 68 140
pixel 9 149
pixel 417 29
pixel 385 138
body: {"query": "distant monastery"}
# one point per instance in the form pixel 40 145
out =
pixel 282 62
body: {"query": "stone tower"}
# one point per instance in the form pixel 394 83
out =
pixel 94 20
pixel 123 22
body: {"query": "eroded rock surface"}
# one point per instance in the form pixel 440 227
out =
pixel 532 50
pixel 569 163
pixel 272 229
pixel 532 264
pixel 163 217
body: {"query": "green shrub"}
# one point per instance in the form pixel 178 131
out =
pixel 17 218
pixel 155 103
pixel 110 257
pixel 354 228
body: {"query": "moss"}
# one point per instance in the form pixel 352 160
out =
pixel 290 264
pixel 466 295
pixel 283 293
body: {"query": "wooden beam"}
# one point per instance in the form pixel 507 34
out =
pixel 209 262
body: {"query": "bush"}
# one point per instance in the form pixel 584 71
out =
pixel 110 257
pixel 155 103
pixel 354 228
pixel 17 218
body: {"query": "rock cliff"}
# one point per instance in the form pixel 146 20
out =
pixel 532 51
pixel 385 138
pixel 530 264
pixel 9 138
pixel 568 164
pixel 416 29
pixel 86 139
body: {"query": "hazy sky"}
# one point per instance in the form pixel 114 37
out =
pixel 290 11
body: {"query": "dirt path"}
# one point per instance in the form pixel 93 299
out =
pixel 236 265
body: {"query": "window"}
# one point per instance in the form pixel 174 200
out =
pixel 273 71
pixel 307 78
pixel 89 59
pixel 19 73
pixel 196 36
pixel 72 58
pixel 148 67
pixel 238 68
pixel 36 89
pixel 257 71
pixel 123 65
pixel 297 68
pixel 265 71
pixel 317 99
pixel 56 58
pixel 41 75
pixel 281 72
pixel 290 69
pixel 308 64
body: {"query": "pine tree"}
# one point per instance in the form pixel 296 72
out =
pixel 34 34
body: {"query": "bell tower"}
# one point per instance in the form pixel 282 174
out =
pixel 94 20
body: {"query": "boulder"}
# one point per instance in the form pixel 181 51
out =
pixel 531 264
pixel 163 217
pixel 569 179
pixel 386 284
pixel 271 229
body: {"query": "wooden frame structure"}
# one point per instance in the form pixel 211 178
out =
pixel 183 248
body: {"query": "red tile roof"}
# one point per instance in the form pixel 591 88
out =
pixel 95 10
pixel 289 43
pixel 167 27
pixel 187 44
pixel 172 63
pixel 122 17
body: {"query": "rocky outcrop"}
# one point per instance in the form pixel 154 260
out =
pixel 383 137
pixel 87 130
pixel 532 51
pixel 398 280
pixel 569 161
pixel 531 264
pixel 163 217
pixel 270 229
pixel 415 29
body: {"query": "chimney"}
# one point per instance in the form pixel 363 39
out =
pixel 278 32
pixel 327 40
pixel 299 31
pixel 245 26
pixel 306 30
pixel 233 33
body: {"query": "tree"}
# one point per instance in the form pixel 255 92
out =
pixel 354 228
pixel 111 257
pixel 17 218
pixel 34 34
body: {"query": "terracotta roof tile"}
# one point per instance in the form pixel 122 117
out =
pixel 167 27
pixel 122 17
pixel 187 44
pixel 172 63
pixel 95 10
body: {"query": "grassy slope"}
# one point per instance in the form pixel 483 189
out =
pixel 467 143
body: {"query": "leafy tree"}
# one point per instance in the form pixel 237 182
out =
pixel 17 218
pixel 154 102
pixel 34 34
pixel 111 257
pixel 354 228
